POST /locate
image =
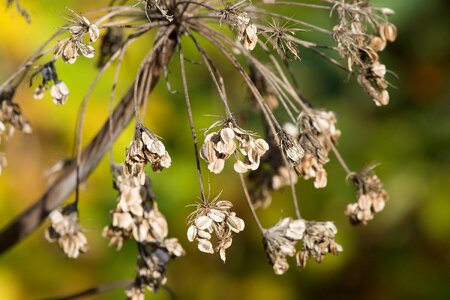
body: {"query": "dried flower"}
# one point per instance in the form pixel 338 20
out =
pixel 151 266
pixel 59 93
pixel 371 197
pixel 145 148
pixel 359 44
pixel 279 35
pixel 59 90
pixel 71 48
pixel 318 240
pixel 11 118
pixel 136 214
pixel 219 146
pixel 66 230
pixel 214 217
pixel 280 241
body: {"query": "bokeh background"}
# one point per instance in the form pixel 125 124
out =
pixel 404 253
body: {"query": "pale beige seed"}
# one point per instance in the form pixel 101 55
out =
pixel 240 167
pixel 191 233
pixel 217 216
pixel 217 166
pixel 203 222
pixel 236 224
pixel 205 246
pixel 94 32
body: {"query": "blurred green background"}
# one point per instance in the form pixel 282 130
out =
pixel 403 253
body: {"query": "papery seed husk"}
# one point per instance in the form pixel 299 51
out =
pixel 204 234
pixel 262 146
pixel 94 32
pixel 388 31
pixel 70 52
pixel 227 135
pixel 158 148
pixel 250 37
pixel 205 246
pixel 217 215
pixel 87 50
pixel 207 152
pixel 217 166
pixel 203 222
pixel 236 224
pixel 76 29
pixel 147 140
pixel 222 254
pixel 191 233
pixel 240 167
pixel 59 48
pixel 224 204
pixel 377 43
pixel 378 69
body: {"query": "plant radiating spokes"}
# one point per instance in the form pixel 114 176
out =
pixel 361 32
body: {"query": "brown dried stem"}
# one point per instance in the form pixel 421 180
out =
pixel 191 122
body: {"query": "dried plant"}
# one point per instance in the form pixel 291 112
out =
pixel 262 45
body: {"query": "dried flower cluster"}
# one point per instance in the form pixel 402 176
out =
pixel 280 241
pixel 59 90
pixel 371 198
pixel 308 153
pixel 66 231
pixel 145 148
pixel 74 46
pixel 360 43
pixel 317 242
pixel 214 217
pixel 220 145
pixel 151 266
pixel 242 22
pixel 135 214
pixel 11 118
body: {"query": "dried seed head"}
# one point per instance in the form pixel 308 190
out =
pixel 145 148
pixel 65 230
pixel 220 145
pixel 388 31
pixel 59 92
pixel 280 241
pixel 360 35
pixel 214 217
pixel 11 118
pixel 250 37
pixel 152 263
pixel 371 197
pixel 318 240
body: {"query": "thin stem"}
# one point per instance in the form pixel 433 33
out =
pixel 287 3
pixel 295 21
pixel 213 71
pixel 111 105
pixel 191 121
pixel 249 202
pixel 340 159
